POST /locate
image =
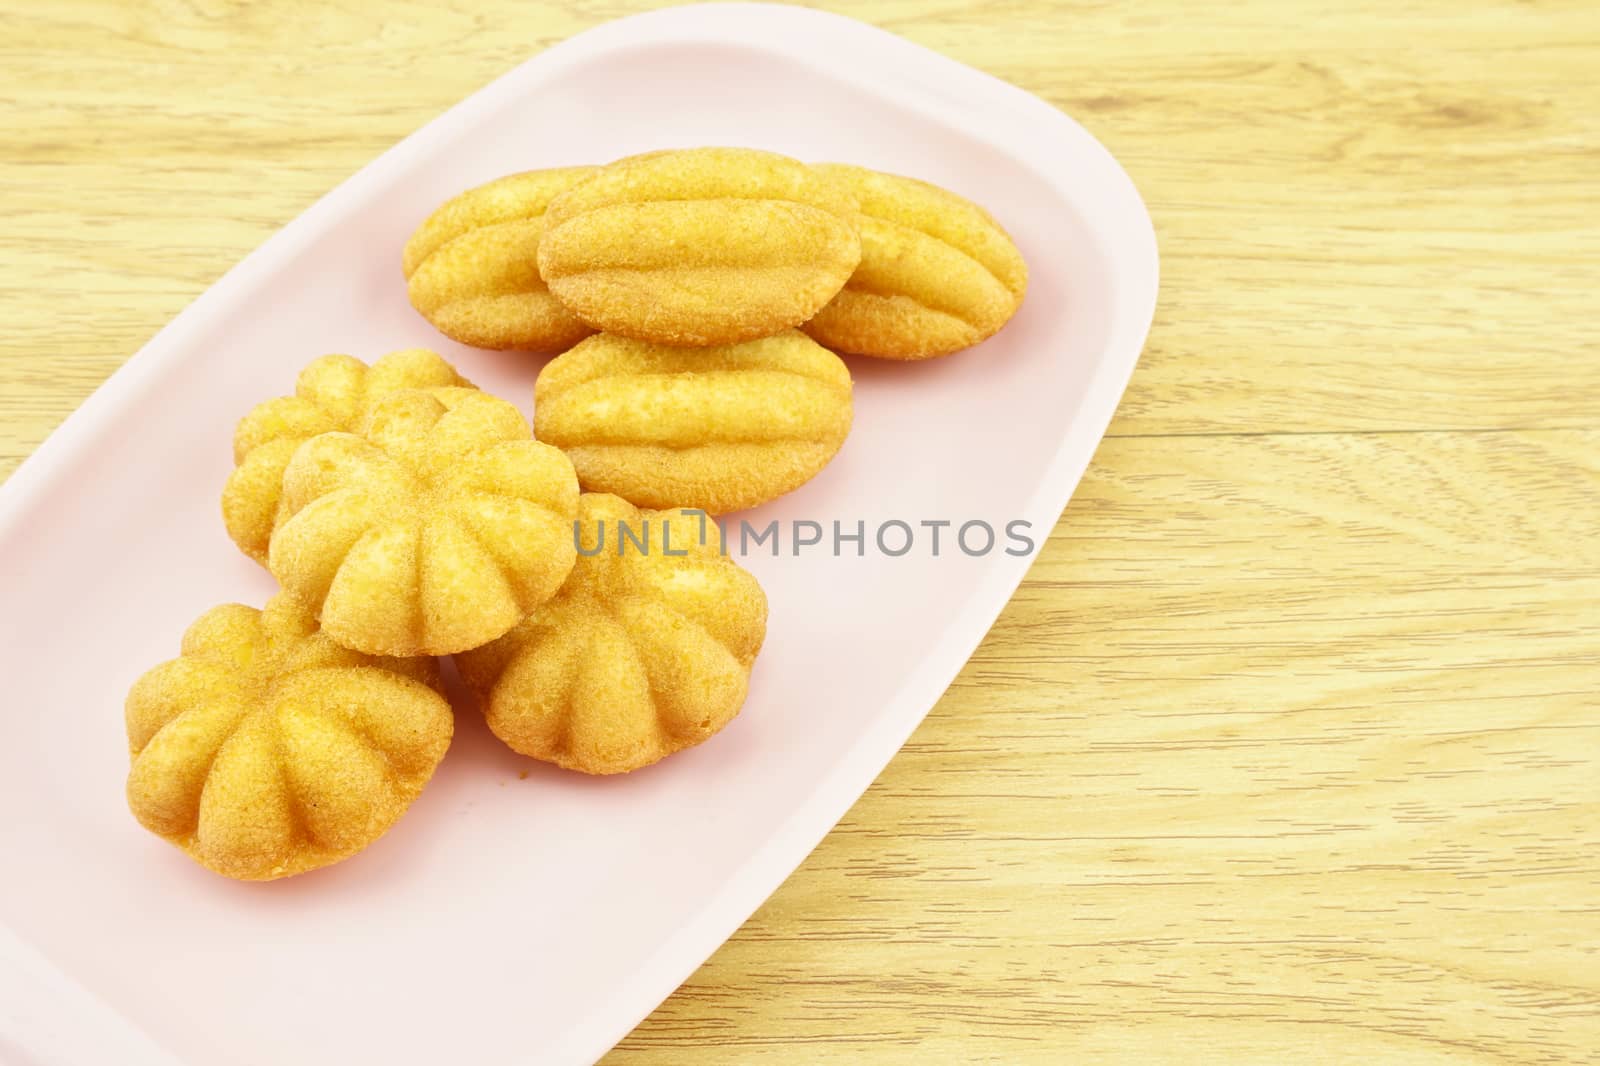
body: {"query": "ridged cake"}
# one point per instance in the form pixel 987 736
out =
pixel 266 749
pixel 645 651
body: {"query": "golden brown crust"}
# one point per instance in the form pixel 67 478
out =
pixel 645 651
pixel 718 429
pixel 331 394
pixel 436 528
pixel 266 750
pixel 937 272
pixel 703 246
pixel 471 269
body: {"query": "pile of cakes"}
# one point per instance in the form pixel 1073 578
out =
pixel 698 298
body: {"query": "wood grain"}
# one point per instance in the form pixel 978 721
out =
pixel 1288 745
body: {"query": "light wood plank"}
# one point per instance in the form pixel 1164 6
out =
pixel 1287 748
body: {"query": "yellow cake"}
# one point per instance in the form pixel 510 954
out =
pixel 471 269
pixel 701 246
pixel 332 393
pixel 937 272
pixel 267 750
pixel 435 529
pixel 646 649
pixel 718 429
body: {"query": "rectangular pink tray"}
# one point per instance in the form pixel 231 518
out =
pixel 510 920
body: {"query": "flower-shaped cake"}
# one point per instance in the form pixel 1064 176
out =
pixel 646 649
pixel 332 393
pixel 436 528
pixel 267 750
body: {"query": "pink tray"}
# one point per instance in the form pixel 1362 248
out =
pixel 511 920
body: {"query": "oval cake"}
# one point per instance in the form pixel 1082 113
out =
pixel 718 429
pixel 701 246
pixel 472 268
pixel 937 272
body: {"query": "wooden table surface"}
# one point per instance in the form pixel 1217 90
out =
pixel 1290 743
